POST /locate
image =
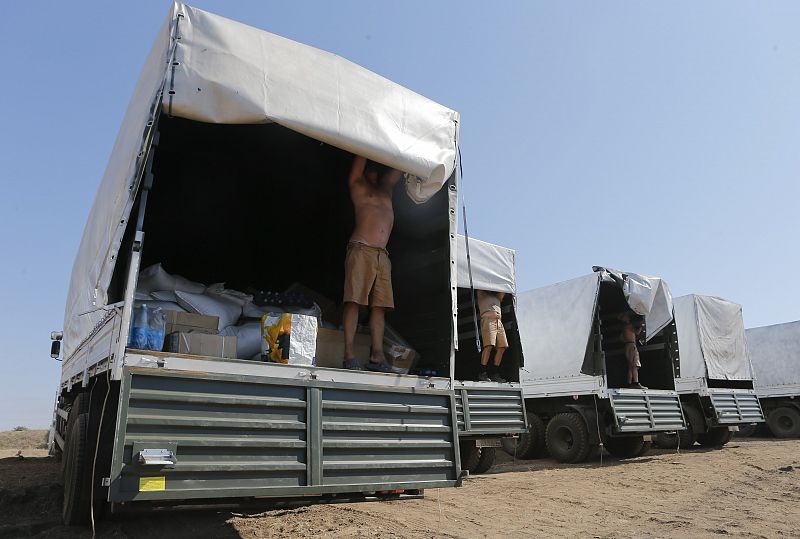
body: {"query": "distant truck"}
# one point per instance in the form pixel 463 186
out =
pixel 775 355
pixel 496 411
pixel 574 378
pixel 716 380
pixel 231 165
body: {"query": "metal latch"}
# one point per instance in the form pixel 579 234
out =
pixel 157 457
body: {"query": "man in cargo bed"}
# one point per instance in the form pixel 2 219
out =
pixel 367 269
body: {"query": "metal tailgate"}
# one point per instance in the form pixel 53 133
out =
pixel 733 406
pixel 637 410
pixel 244 436
pixel 483 409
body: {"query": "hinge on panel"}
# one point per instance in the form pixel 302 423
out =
pixel 105 482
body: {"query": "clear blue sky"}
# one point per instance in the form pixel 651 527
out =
pixel 656 137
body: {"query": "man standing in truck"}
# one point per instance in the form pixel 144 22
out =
pixel 367 269
pixel 631 328
pixel 493 334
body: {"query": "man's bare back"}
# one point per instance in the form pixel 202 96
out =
pixel 372 200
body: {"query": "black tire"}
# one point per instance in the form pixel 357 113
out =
pixel 715 437
pixel 667 440
pixel 485 461
pixel 695 425
pixel 79 406
pixel 745 431
pixel 470 454
pixel 625 447
pixel 567 438
pixel 77 474
pixel 530 444
pixel 784 422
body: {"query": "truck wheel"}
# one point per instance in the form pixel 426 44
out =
pixel 530 444
pixel 745 431
pixel 667 440
pixel 485 461
pixel 77 472
pixel 80 405
pixel 470 454
pixel 625 447
pixel 567 438
pixel 715 437
pixel 784 422
pixel 694 426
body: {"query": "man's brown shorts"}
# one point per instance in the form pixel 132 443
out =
pixel 368 276
pixel 493 333
pixel 632 355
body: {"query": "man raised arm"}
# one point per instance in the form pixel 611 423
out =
pixel 367 269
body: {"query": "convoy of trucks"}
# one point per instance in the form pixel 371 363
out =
pixel 230 166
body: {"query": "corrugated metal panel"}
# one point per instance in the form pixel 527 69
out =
pixel 732 407
pixel 238 436
pixel 646 411
pixel 490 410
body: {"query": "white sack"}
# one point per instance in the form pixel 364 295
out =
pixel 155 278
pixel 493 266
pixel 165 305
pixel 165 295
pixel 227 310
pixel 248 338
pixel 218 289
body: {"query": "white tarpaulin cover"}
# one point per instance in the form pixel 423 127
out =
pixel 646 295
pixel 223 71
pixel 493 266
pixel 554 327
pixel 555 322
pixel 711 338
pixel 775 354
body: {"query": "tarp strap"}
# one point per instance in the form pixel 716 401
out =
pixel 469 261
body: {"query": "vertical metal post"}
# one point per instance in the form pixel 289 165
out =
pixel 314 437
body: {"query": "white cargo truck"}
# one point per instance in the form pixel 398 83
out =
pixel 231 165
pixel 775 355
pixel 716 380
pixel 495 411
pixel 575 376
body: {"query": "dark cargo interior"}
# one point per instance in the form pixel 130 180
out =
pixel 468 356
pixel 659 356
pixel 261 207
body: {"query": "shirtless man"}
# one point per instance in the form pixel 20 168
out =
pixel 493 334
pixel 630 332
pixel 367 269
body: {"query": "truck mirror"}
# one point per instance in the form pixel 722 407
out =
pixel 55 349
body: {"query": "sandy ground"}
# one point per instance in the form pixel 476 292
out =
pixel 750 488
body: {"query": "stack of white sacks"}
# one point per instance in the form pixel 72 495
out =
pixel 237 313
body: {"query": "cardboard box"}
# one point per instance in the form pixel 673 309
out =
pixel 178 322
pixel 289 338
pixel 330 347
pixel 202 344
pixel 402 358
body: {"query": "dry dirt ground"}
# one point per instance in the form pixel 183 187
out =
pixel 750 488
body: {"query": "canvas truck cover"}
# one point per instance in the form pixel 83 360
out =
pixel 555 322
pixel 775 355
pixel 207 68
pixel 712 339
pixel 493 267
